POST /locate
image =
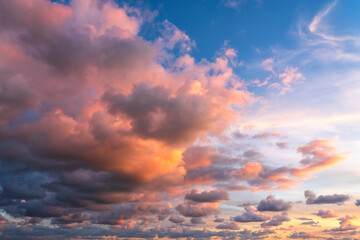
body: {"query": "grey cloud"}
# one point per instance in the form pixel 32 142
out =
pixel 251 215
pixel 229 226
pixel 197 220
pixel 176 219
pixel 272 204
pixel 197 210
pixel 207 196
pixel 311 198
pixel 276 220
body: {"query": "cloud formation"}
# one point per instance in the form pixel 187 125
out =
pixel 325 213
pixel 251 215
pixel 311 198
pixel 210 196
pixel 274 205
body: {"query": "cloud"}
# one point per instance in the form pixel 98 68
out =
pixel 357 202
pixel 345 224
pixel 268 65
pixel 233 3
pixel 217 219
pixel 176 219
pixel 265 135
pixel 97 122
pixel 311 198
pixel 251 215
pixel 197 210
pixel 274 205
pixel 301 235
pixel 211 196
pixel 318 154
pixel 325 213
pixel 276 220
pixel 229 226
pixel 197 220
pixel 172 37
pixel 311 223
pixel 282 145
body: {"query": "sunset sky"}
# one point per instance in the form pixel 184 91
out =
pixel 188 119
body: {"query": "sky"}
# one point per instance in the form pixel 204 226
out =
pixel 153 119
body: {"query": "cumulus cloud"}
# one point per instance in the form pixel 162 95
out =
pixel 276 220
pixel 176 219
pixel 325 214
pixel 272 204
pixel 357 202
pixel 197 220
pixel 189 209
pixel 301 235
pixel 251 215
pixel 229 226
pixel 345 224
pixel 311 198
pixel 96 120
pixel 207 196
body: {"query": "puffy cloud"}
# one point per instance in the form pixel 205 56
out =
pixel 253 154
pixel 276 220
pixel 345 224
pixel 325 213
pixel 251 215
pixel 207 196
pixel 197 220
pixel 176 219
pixel 157 115
pixel 301 235
pixel 217 219
pixel 272 204
pixel 94 118
pixel 189 209
pixel 357 202
pixel 311 198
pixel 311 223
pixel 229 226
